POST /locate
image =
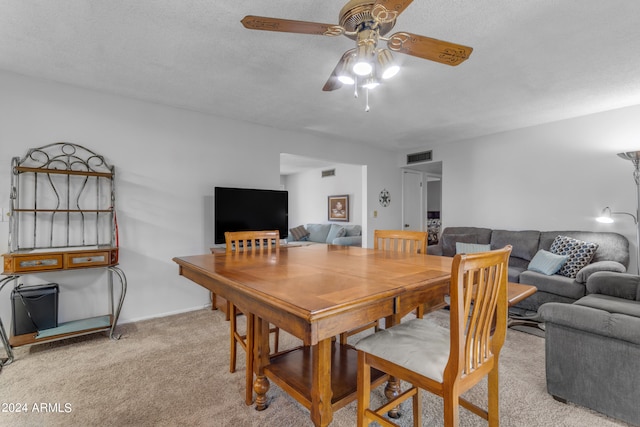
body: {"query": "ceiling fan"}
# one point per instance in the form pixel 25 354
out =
pixel 367 22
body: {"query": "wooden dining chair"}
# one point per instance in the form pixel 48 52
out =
pixel 446 362
pixel 400 241
pixel 246 243
pixel 395 241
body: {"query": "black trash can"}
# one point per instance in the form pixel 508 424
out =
pixel 34 308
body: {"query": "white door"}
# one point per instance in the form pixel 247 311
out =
pixel 412 196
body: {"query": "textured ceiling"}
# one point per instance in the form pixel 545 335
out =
pixel 533 62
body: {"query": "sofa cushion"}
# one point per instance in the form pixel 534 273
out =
pixel 555 284
pixel 579 254
pixel 589 319
pixel 334 232
pixel 353 230
pixel 524 243
pixel 318 232
pixel 514 273
pixel 449 242
pixel 348 241
pixel 471 248
pixel 547 263
pixel 299 232
pixel 483 235
pixel 619 285
pixel 611 304
pixel 611 246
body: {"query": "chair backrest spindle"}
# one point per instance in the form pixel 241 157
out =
pixel 478 309
pixel 400 241
pixel 252 241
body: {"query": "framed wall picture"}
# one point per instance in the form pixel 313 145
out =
pixel 338 208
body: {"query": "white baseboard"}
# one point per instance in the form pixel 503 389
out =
pixel 169 313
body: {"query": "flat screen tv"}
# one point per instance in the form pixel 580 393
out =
pixel 243 209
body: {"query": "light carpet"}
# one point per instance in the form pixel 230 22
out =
pixel 174 371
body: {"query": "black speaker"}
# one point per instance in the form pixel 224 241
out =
pixel 34 308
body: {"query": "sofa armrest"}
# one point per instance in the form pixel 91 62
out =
pixel 592 320
pixel 348 241
pixel 584 273
pixel 620 285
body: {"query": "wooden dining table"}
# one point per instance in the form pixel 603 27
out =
pixel 315 293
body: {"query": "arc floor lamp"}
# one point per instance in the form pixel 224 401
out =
pixel 634 157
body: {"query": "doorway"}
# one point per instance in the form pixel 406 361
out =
pixel 431 193
pixel 412 201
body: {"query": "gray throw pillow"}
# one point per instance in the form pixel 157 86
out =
pixel 449 242
pixel 546 262
pixel 471 248
pixel 335 232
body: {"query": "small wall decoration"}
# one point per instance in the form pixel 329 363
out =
pixel 384 198
pixel 338 208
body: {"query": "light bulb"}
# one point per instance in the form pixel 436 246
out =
pixel 370 83
pixel 362 68
pixel 605 216
pixel 390 72
pixel 346 79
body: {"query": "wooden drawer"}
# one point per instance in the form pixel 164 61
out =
pixel 31 263
pixel 86 259
pixel 15 263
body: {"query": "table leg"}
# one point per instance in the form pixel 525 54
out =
pixel 321 393
pixel 250 357
pixel 261 355
pixel 392 390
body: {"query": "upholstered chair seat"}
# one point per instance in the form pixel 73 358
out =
pixel 419 345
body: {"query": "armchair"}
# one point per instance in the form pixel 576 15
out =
pixel 593 347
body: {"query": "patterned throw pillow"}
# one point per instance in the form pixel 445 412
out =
pixel 299 232
pixel 578 252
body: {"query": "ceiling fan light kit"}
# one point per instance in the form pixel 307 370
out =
pixel 345 68
pixel 388 67
pixel 367 22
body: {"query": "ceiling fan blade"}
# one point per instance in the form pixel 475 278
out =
pixel 288 26
pixel 397 6
pixel 428 48
pixel 334 83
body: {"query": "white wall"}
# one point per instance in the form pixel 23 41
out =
pixel 557 176
pixel 308 193
pixel 167 161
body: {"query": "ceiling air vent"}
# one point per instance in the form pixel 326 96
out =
pixel 328 172
pixel 424 156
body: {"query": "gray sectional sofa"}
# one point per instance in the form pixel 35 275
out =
pixel 331 233
pixel 612 254
pixel 592 347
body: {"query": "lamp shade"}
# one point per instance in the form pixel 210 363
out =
pixel 605 217
pixel 388 67
pixel 364 57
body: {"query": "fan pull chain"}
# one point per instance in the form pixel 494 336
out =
pixel 366 94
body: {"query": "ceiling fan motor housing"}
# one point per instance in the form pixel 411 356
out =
pixel 356 16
